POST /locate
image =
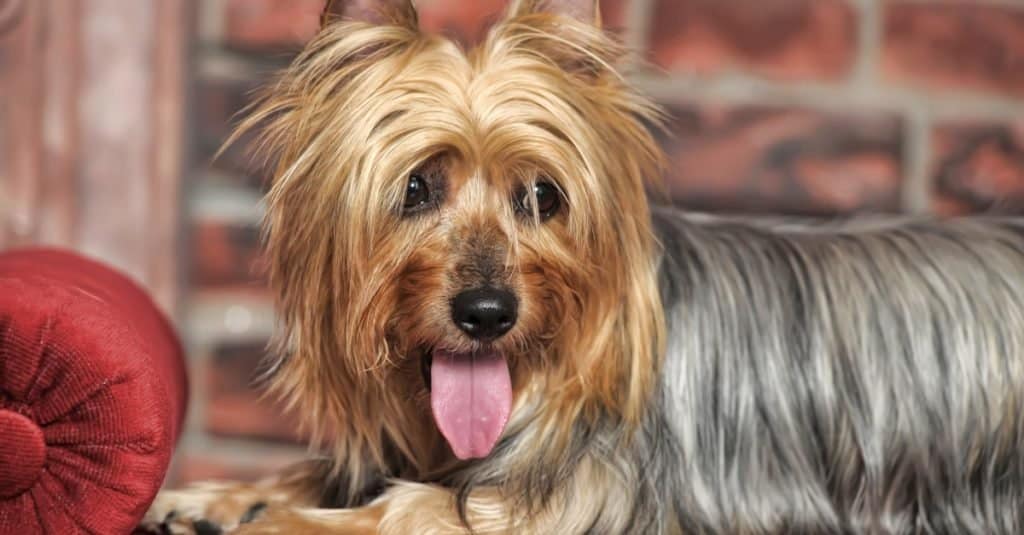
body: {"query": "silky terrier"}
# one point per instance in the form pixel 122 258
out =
pixel 489 327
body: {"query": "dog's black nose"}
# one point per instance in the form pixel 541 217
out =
pixel 485 313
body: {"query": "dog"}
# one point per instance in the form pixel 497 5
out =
pixel 489 326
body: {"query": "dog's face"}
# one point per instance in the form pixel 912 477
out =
pixel 458 232
pixel 486 284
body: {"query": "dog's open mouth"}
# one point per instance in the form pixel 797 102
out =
pixel 470 396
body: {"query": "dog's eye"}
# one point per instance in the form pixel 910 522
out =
pixel 416 193
pixel 549 200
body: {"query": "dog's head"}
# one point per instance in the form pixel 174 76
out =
pixel 459 233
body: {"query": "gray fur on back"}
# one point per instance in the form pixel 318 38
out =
pixel 863 377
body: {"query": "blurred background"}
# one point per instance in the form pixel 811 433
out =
pixel 111 110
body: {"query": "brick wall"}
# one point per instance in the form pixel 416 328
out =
pixel 785 106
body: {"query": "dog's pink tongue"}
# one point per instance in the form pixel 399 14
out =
pixel 471 395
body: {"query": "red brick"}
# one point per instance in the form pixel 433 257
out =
pixel 218 103
pixel 469 21
pixel 787 39
pixel 753 159
pixel 464 21
pixel 978 166
pixel 271 24
pixel 287 24
pixel 226 256
pixel 614 14
pixel 955 45
pixel 235 405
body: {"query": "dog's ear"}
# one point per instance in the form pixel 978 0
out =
pixel 396 12
pixel 584 50
pixel 587 11
pixel 582 10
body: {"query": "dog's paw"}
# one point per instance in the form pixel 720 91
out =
pixel 207 509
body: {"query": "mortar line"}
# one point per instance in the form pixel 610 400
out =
pixel 917 184
pixel 741 89
pixel 638 18
pixel 870 34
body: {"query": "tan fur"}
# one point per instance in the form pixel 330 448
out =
pixel 360 289
pixel 505 115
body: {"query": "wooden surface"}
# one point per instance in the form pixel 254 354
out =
pixel 92 99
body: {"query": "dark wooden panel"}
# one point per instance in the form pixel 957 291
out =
pixel 57 210
pixel 91 107
pixel 19 120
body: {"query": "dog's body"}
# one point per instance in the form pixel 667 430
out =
pixel 864 377
pixel 479 302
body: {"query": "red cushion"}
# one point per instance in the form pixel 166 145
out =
pixel 92 396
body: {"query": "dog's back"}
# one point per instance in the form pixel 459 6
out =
pixel 865 377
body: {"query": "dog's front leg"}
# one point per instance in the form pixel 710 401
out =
pixel 582 505
pixel 404 508
pixel 220 507
pixel 212 507
pixel 299 521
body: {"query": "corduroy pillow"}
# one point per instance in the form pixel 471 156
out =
pixel 92 396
